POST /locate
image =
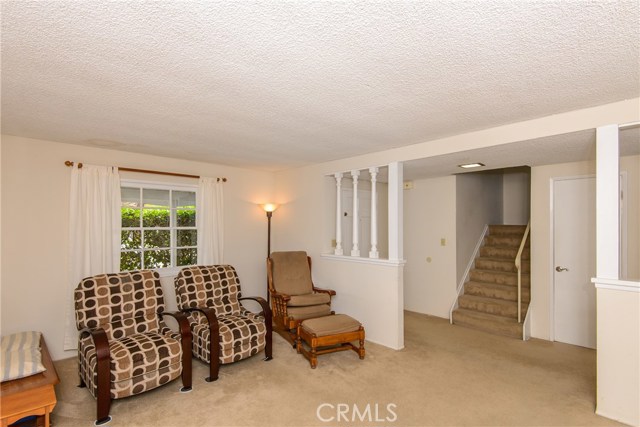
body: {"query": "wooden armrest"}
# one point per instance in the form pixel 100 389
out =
pixel 209 313
pixel 214 338
pixel 183 322
pixel 331 292
pixel 100 341
pixel 281 296
pixel 266 311
pixel 259 300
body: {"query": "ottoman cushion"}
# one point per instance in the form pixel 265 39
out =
pixel 331 325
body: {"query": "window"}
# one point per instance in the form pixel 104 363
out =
pixel 158 226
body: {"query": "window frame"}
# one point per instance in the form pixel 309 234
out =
pixel 156 185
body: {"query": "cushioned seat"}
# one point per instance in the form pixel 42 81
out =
pixel 331 325
pixel 309 312
pixel 293 295
pixel 308 299
pixel 124 347
pixel 210 296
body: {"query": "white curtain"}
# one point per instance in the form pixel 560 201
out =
pixel 209 221
pixel 94 231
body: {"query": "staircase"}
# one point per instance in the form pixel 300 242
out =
pixel 489 301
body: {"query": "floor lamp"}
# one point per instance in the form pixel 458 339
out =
pixel 269 208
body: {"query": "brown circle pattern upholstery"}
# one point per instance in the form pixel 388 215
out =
pixel 242 333
pixel 145 353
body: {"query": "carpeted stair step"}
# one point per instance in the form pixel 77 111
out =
pixel 500 264
pixel 498 277
pixel 507 230
pixel 504 241
pixel 506 253
pixel 493 290
pixel 488 322
pixel 498 307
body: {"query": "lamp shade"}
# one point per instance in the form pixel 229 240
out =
pixel 269 207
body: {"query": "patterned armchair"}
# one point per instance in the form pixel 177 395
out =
pixel 124 346
pixel 294 297
pixel 223 330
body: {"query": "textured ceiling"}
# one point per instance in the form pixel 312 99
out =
pixel 273 85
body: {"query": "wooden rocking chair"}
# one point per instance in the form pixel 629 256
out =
pixel 294 297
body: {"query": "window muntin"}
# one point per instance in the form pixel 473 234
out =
pixel 158 226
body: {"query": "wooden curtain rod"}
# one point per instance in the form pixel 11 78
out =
pixel 184 175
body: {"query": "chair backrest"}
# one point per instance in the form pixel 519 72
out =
pixel 213 286
pixel 291 273
pixel 121 303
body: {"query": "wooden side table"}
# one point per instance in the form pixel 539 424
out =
pixel 329 334
pixel 32 395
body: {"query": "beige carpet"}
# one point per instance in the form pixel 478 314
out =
pixel 446 376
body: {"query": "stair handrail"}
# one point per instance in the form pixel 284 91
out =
pixel 465 276
pixel 518 263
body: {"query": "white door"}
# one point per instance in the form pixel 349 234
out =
pixel 574 255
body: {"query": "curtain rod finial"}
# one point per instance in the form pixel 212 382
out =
pixel 70 163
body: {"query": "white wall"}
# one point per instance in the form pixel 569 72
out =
pixel 430 271
pixel 619 354
pixel 516 196
pixel 35 187
pixel 541 242
pixel 479 201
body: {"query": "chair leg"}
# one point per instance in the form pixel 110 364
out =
pixel 214 369
pixel 268 348
pixel 104 395
pixel 103 367
pixel 293 333
pixel 214 355
pixel 187 357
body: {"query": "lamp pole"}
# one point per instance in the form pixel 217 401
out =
pixel 269 208
pixel 269 215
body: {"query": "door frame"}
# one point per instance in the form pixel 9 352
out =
pixel 623 242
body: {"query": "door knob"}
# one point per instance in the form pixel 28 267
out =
pixel 561 269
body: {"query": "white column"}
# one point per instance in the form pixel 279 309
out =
pixel 373 253
pixel 355 251
pixel 395 211
pixel 607 202
pixel 338 250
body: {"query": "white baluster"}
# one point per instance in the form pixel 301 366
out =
pixel 338 250
pixel 373 253
pixel 355 251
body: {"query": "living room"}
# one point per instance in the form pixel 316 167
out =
pixel 55 79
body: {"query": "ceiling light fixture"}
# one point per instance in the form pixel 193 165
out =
pixel 471 165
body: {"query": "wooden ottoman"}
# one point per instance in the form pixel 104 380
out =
pixel 329 334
